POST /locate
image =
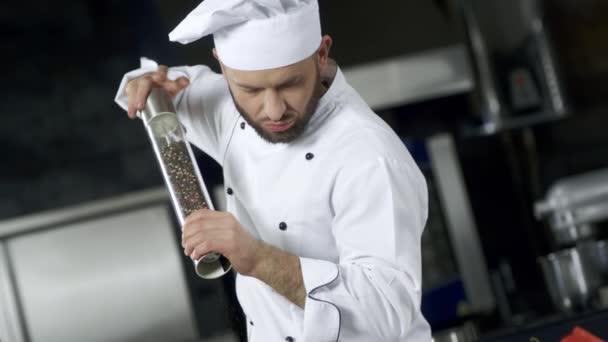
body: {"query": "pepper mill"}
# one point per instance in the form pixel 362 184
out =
pixel 180 171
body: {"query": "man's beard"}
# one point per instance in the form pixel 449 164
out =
pixel 296 129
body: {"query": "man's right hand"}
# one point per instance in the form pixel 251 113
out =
pixel 139 88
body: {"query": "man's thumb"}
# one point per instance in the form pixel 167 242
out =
pixel 176 86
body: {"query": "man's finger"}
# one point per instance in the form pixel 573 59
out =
pixel 204 226
pixel 203 249
pixel 161 74
pixel 131 93
pixel 143 90
pixel 189 244
pixel 197 214
pixel 174 87
pixel 194 226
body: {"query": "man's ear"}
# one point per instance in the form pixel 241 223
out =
pixel 323 51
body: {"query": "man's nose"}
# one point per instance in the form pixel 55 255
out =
pixel 274 106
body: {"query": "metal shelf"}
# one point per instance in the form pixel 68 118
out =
pixel 412 78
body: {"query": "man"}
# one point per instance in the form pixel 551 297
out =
pixel 325 205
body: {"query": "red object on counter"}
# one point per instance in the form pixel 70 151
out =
pixel 579 334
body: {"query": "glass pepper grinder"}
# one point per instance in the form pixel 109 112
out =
pixel 180 171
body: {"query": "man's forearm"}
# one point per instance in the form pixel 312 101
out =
pixel 281 271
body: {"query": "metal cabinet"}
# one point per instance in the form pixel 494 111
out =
pixel 114 277
pixel 10 324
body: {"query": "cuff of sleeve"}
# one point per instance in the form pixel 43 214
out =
pixel 321 317
pixel 317 273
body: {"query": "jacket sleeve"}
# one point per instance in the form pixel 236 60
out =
pixel 203 106
pixel 373 293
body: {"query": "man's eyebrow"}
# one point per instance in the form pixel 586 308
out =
pixel 290 81
pixel 246 86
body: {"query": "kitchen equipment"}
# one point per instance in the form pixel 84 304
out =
pixel 455 206
pixel 488 96
pixel 456 281
pixel 464 333
pixel 180 171
pixel 491 82
pixel 601 248
pixel 573 206
pixel 571 279
pixel 97 282
pixel 596 254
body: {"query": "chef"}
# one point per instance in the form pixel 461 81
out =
pixel 325 205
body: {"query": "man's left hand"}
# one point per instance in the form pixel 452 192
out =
pixel 207 231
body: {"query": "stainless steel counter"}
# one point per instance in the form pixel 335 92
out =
pixel 53 218
pixel 105 271
pixel 413 78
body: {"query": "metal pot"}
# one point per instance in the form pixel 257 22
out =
pixel 596 254
pixel 602 260
pixel 571 279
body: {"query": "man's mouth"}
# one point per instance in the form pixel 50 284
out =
pixel 279 126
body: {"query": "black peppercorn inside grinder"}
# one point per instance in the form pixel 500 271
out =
pixel 180 171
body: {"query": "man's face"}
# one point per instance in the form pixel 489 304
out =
pixel 277 103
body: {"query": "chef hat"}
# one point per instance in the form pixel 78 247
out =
pixel 255 34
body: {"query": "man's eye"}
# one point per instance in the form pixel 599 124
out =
pixel 291 85
pixel 251 90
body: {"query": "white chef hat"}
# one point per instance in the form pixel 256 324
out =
pixel 255 34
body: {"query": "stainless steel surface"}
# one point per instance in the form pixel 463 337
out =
pixel 527 27
pixel 490 104
pixel 460 223
pixel 113 278
pixel 11 324
pixel 602 260
pixel 595 253
pixel 229 337
pixel 603 297
pixel 54 218
pixel 555 102
pixel 570 234
pixel 570 279
pixel 464 333
pixel 166 133
pixel 412 78
pixel 573 204
pixel 575 191
pixel 158 102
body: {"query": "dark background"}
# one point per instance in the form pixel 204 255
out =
pixel 65 141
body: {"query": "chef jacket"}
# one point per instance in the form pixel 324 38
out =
pixel 345 197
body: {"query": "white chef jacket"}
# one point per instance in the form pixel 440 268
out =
pixel 346 197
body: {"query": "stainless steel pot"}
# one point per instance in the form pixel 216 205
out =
pixel 571 279
pixel 596 254
pixel 602 260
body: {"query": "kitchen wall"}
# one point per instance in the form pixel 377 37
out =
pixel 66 142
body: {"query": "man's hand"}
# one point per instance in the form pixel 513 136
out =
pixel 207 231
pixel 138 89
